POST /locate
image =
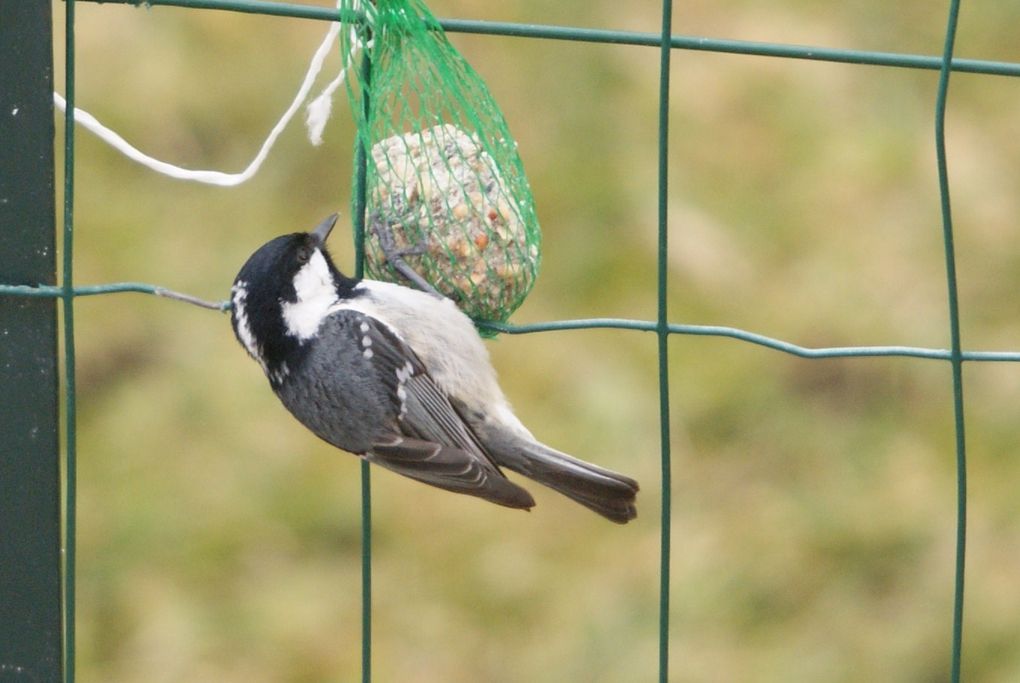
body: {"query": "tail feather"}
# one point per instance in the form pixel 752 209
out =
pixel 608 493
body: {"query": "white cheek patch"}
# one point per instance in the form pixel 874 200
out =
pixel 316 293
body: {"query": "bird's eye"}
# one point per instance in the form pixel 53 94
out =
pixel 304 253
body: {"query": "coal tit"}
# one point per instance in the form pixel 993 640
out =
pixel 398 377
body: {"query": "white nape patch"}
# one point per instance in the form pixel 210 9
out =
pixel 316 293
pixel 238 299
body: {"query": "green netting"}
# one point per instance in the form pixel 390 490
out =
pixel 446 194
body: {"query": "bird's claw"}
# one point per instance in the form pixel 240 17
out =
pixel 395 257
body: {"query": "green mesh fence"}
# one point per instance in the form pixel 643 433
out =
pixel 378 127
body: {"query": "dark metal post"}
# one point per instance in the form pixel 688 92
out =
pixel 30 589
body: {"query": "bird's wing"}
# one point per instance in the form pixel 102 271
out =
pixel 427 439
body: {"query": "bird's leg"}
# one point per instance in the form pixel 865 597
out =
pixel 395 257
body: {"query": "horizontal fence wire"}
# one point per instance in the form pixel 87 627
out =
pixel 67 291
pixel 591 35
pixel 736 333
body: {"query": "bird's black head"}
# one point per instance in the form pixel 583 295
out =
pixel 281 295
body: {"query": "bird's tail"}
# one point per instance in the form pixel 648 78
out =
pixel 608 493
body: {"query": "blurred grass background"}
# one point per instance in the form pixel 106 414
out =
pixel 814 501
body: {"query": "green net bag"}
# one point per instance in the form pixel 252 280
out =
pixel 445 191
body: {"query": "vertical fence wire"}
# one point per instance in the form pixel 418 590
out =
pixel 663 332
pixel 956 350
pixel 67 299
pixel 358 219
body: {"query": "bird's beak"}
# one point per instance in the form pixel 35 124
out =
pixel 322 231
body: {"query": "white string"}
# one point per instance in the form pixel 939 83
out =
pixel 316 121
pixel 318 111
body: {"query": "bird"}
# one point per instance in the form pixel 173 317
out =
pixel 398 377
